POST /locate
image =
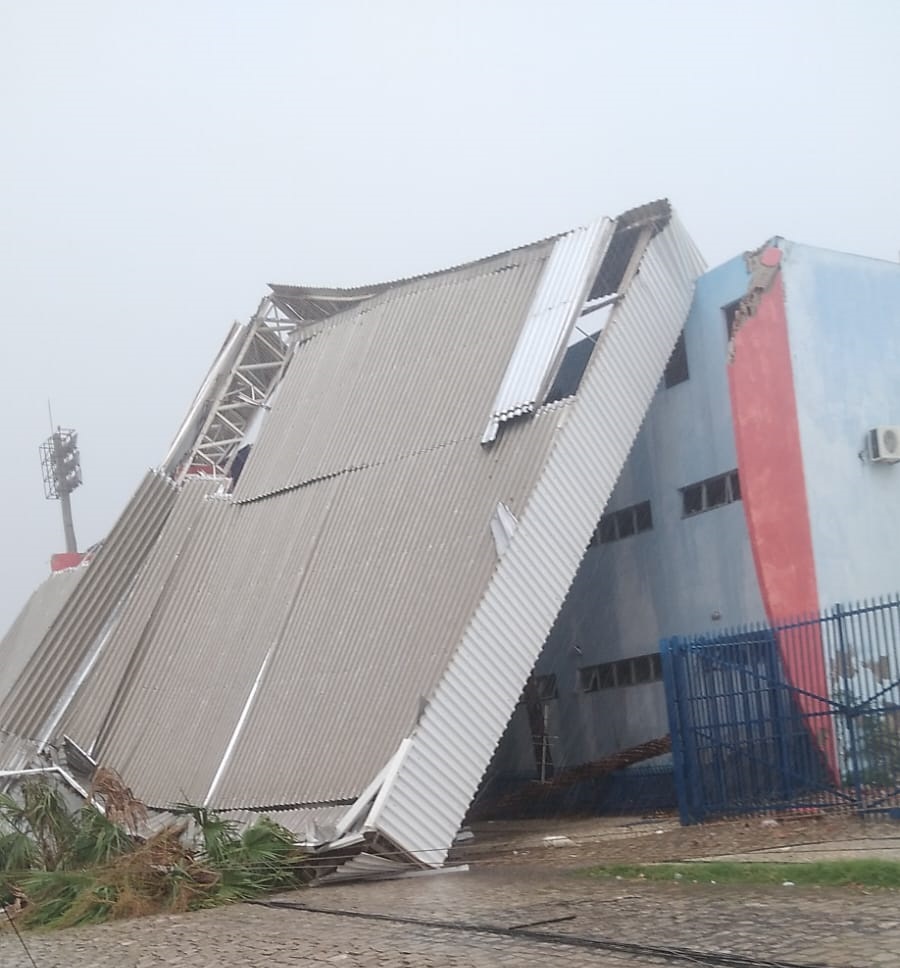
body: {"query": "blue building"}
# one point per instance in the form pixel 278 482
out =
pixel 762 485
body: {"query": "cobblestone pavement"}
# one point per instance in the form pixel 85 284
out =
pixel 476 919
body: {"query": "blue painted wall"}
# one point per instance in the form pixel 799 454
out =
pixel 843 316
pixel 630 593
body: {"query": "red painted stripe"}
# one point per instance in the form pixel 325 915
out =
pixel 773 490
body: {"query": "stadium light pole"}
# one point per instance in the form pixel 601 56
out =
pixel 61 468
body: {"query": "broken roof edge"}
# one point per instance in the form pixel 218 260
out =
pixel 656 213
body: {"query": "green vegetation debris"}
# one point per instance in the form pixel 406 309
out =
pixel 60 868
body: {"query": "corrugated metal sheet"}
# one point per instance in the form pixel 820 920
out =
pixel 414 368
pixel 30 710
pixel 366 866
pixel 99 702
pixel 357 588
pixel 456 737
pixel 564 285
pixel 39 613
pixel 310 825
pixel 279 645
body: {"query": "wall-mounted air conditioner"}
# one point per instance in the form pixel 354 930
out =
pixel 884 444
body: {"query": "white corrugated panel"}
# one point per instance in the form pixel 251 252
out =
pixel 32 623
pixel 564 285
pixel 468 712
pixel 365 867
pixel 59 660
pixel 432 352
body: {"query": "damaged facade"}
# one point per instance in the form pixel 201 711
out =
pixel 386 504
pixel 753 492
pixel 325 603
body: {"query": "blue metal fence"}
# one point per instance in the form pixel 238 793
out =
pixel 798 715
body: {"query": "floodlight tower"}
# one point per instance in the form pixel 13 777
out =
pixel 61 467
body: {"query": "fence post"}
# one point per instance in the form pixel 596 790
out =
pixel 847 709
pixel 780 711
pixel 670 653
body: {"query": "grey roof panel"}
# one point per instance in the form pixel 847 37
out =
pixel 31 711
pixel 415 368
pixel 352 604
pixel 25 635
pixel 345 608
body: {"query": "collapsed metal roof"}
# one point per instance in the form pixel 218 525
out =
pixel 24 636
pixel 342 638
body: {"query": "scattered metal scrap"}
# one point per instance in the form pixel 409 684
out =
pixel 534 792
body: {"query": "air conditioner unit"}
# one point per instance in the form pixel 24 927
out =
pixel 884 444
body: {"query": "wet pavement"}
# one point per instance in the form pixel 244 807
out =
pixel 884 848
pixel 497 916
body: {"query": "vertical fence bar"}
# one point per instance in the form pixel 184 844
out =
pixel 779 716
pixel 848 703
pixel 671 663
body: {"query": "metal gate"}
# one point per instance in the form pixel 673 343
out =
pixel 800 715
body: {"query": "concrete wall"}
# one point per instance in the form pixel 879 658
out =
pixel 844 329
pixel 815 366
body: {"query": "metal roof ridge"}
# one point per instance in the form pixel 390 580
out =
pixel 375 289
pixel 650 211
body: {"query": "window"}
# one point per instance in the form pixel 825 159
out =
pixel 730 311
pixel 714 492
pixel 637 671
pixel 572 368
pixel 624 672
pixel 589 679
pixel 677 367
pixel 623 524
pixel 642 669
pixel 545 687
pixel 643 519
pixel 622 247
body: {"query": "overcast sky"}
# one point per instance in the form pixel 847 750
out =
pixel 161 162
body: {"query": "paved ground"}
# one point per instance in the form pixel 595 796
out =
pixel 609 840
pixel 877 848
pixel 525 909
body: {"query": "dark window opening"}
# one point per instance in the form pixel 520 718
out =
pixel 623 524
pixel 616 261
pixel 643 517
pixel 589 679
pixel 606 676
pixel 624 673
pixel 607 529
pixel 546 687
pixel 643 669
pixel 630 228
pixel 714 492
pixel 637 671
pixel 692 498
pixel 730 311
pixel 237 465
pixel 572 368
pixel 677 367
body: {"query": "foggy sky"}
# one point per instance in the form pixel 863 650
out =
pixel 163 161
